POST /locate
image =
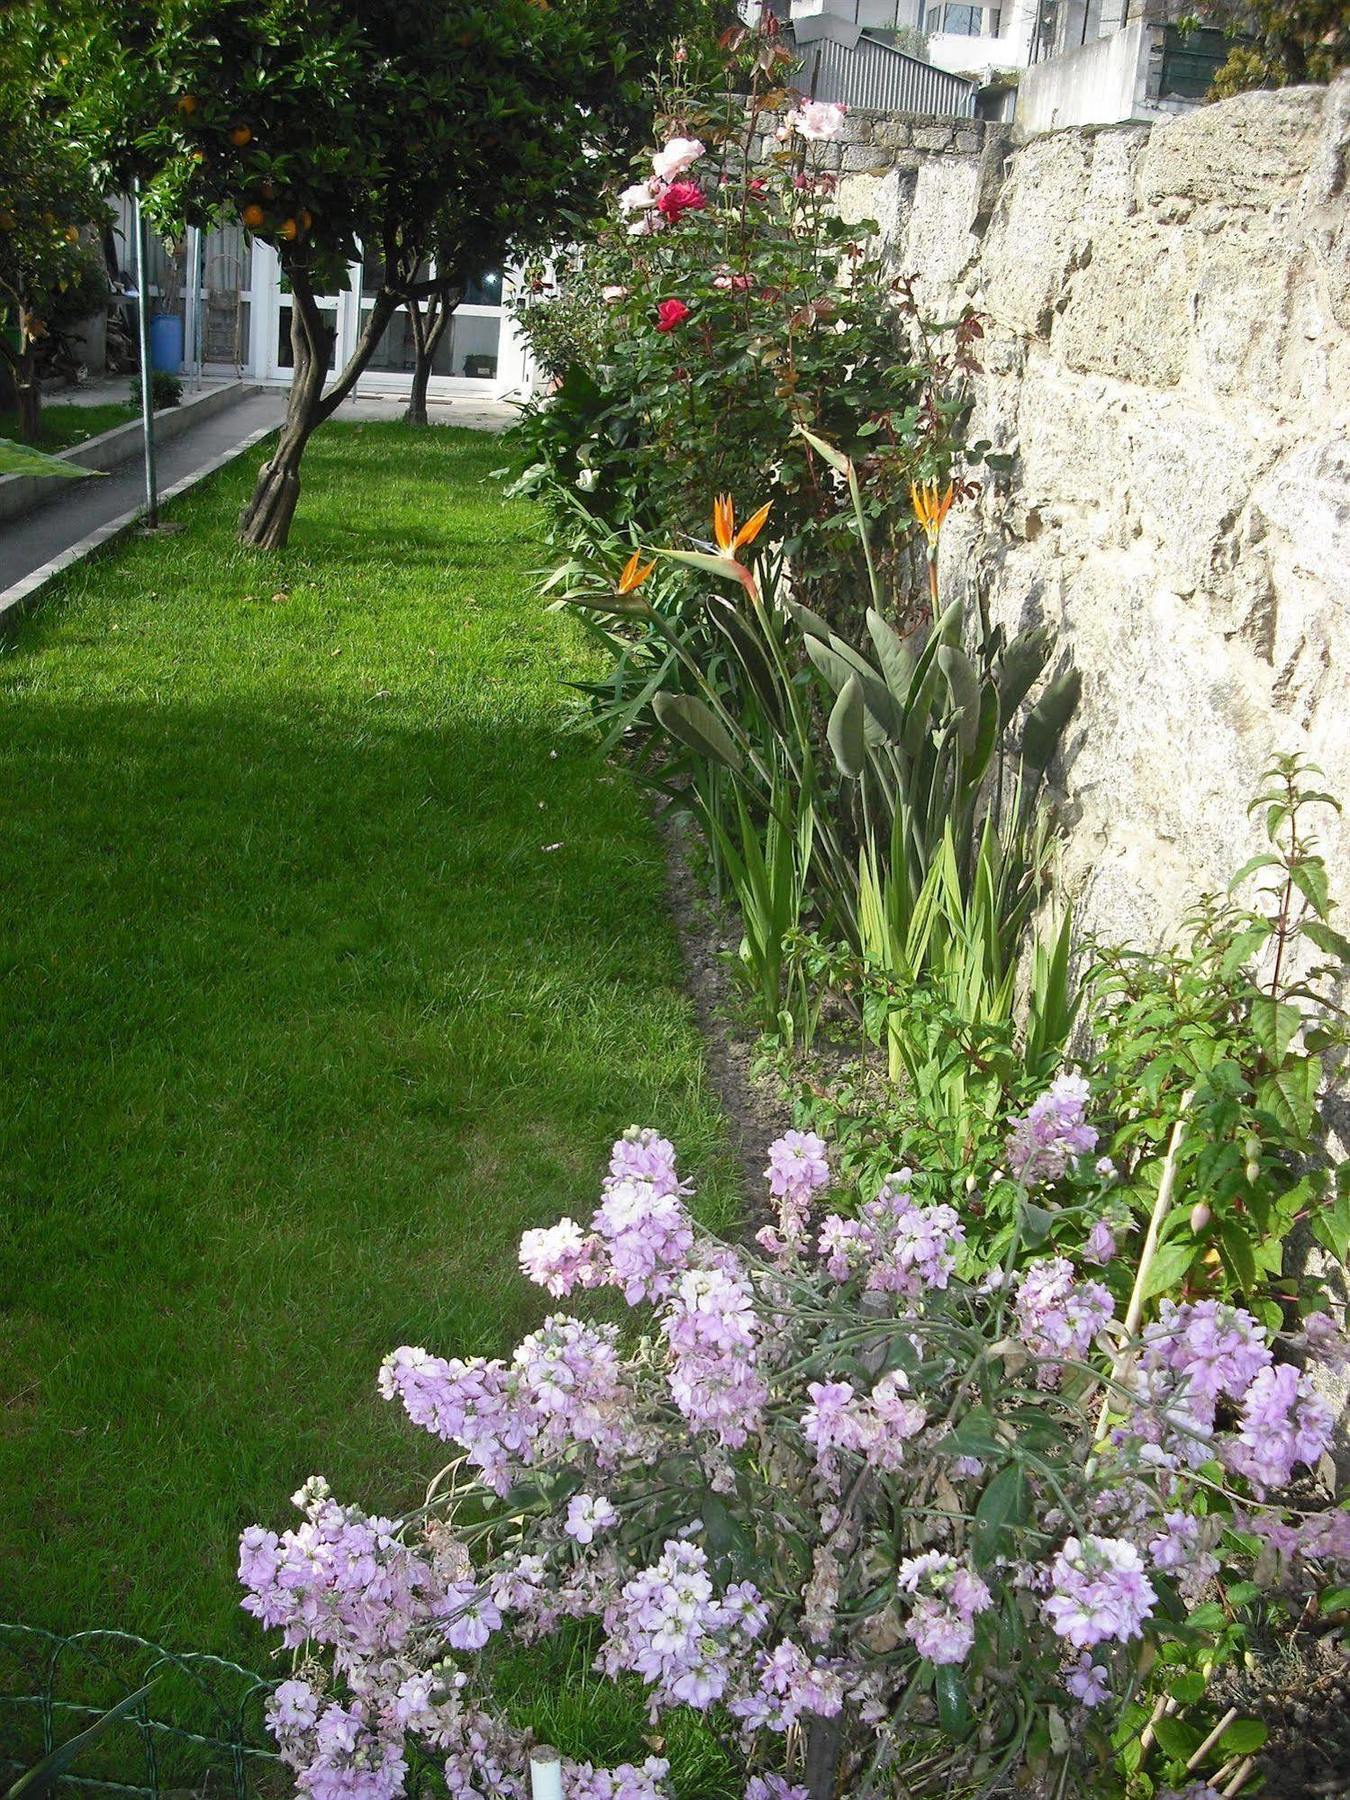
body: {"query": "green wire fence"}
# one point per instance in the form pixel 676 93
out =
pixel 199 1731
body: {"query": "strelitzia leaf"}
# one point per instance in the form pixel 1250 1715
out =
pixel 1047 719
pixel 835 458
pixel 964 686
pixel 694 723
pixel 45 1776
pixel 846 727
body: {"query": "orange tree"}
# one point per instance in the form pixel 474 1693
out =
pixel 47 194
pixel 405 128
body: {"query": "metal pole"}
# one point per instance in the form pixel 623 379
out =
pixel 194 310
pixel 143 334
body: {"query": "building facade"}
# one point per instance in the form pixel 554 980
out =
pixel 226 288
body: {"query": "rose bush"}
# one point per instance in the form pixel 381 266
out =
pixel 737 307
pixel 886 1519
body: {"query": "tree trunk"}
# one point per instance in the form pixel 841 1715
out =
pixel 428 329
pixel 265 522
pixel 28 400
pixel 27 389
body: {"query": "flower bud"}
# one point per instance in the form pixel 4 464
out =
pixel 1200 1216
pixel 1253 1171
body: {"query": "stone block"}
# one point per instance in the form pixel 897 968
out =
pixel 933 137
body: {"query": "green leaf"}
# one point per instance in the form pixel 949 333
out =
pixel 1328 940
pixel 1242 1737
pixel 1021 664
pixel 1177 1737
pixel 1048 718
pixel 1290 1095
pixel 694 723
pixel 897 665
pixel 964 686
pixel 1310 878
pixel 44 1776
pixel 1187 1687
pixel 1275 1025
pixel 1002 1504
pixel 1169 1267
pixel 845 729
pixel 953 1701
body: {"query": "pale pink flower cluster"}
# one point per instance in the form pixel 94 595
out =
pixel 946 1599
pixel 1058 1315
pixel 645 198
pixel 798 1169
pixel 875 1426
pixel 1099 1592
pixel 1053 1133
pixel 795 1402
pixel 669 1626
pixel 897 1245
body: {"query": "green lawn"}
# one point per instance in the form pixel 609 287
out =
pixel 330 960
pixel 62 426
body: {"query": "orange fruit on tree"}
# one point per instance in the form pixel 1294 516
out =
pixel 267 188
pixel 186 104
pixel 289 230
pixel 306 218
pixel 241 135
pixel 253 215
pixel 72 234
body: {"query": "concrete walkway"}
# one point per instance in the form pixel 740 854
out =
pixel 34 547
pixel 37 545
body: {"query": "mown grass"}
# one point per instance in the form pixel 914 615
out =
pixel 61 426
pixel 330 959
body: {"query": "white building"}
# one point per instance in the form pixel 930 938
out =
pixel 1068 62
pixel 244 319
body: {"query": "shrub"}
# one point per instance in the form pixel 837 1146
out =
pixel 723 306
pixel 165 389
pixel 887 1527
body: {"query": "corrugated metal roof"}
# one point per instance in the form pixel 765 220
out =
pixel 877 75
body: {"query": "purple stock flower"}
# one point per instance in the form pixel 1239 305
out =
pixel 1087 1682
pixel 1283 1422
pixel 587 1514
pixel 1054 1130
pixel 947 1597
pixel 1099 1592
pixel 1058 1315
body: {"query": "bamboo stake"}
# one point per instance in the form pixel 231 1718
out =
pixel 1161 1207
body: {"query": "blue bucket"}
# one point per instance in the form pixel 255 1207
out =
pixel 166 343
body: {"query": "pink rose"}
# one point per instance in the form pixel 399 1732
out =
pixel 671 313
pixel 817 120
pixel 676 157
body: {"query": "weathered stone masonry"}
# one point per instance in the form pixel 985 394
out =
pixel 1168 357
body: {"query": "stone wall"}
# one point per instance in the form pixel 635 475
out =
pixel 1168 357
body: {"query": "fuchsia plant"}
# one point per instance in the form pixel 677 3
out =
pixel 846 1498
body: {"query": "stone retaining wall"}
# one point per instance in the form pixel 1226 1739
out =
pixel 1168 357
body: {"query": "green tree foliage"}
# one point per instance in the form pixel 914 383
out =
pixel 413 129
pixel 48 194
pixel 1281 43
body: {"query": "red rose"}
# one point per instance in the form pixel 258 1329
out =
pixel 679 198
pixel 671 313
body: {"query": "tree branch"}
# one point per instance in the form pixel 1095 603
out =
pixel 380 314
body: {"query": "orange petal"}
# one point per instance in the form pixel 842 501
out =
pixel 724 523
pixel 753 526
pixel 633 574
